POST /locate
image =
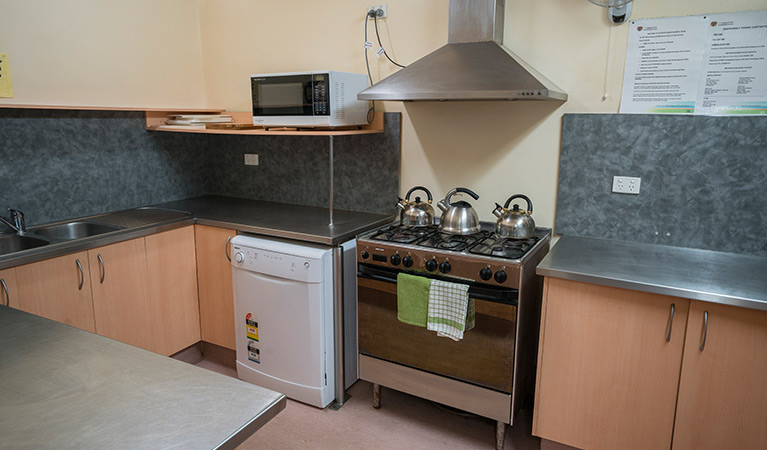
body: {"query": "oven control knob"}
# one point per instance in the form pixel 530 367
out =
pixel 431 265
pixel 500 276
pixel 395 259
pixel 444 267
pixel 486 274
pixel 239 257
pixel 365 254
pixel 407 261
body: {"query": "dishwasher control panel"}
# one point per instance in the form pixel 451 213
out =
pixel 262 256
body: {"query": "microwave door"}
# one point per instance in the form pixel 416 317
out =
pixel 289 95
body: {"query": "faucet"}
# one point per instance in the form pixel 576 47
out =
pixel 17 221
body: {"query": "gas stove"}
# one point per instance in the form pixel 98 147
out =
pixel 482 257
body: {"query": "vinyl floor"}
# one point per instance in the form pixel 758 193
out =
pixel 403 422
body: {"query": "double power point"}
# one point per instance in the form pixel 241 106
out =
pixel 626 185
pixel 380 11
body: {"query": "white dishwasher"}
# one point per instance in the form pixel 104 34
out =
pixel 283 308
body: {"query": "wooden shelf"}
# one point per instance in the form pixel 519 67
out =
pixel 113 108
pixel 156 118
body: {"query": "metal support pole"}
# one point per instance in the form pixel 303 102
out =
pixel 330 200
pixel 338 295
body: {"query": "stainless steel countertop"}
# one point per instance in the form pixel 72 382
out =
pixel 303 223
pixel 726 278
pixel 64 388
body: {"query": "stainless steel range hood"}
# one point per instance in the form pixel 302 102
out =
pixel 472 66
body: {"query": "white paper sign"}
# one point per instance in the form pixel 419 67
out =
pixel 663 63
pixel 734 78
pixel 713 64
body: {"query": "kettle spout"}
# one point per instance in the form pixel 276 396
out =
pixel 498 211
pixel 441 205
pixel 401 204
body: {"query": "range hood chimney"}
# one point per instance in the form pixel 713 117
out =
pixel 472 66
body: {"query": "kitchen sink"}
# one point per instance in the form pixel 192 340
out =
pixel 16 243
pixel 74 230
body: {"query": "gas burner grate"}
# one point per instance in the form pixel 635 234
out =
pixel 453 242
pixel 504 247
pixel 403 234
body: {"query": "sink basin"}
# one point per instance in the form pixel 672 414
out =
pixel 16 243
pixel 74 230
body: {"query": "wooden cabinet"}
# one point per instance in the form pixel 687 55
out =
pixel 722 392
pixel 607 376
pixel 214 279
pixel 172 280
pixel 120 293
pixel 58 289
pixel 142 291
pixel 9 294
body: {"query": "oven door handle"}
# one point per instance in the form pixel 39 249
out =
pixel 507 296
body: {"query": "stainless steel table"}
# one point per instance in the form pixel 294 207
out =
pixel 64 388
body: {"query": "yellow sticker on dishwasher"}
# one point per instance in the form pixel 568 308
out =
pixel 251 327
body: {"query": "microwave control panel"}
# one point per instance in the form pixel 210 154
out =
pixel 321 93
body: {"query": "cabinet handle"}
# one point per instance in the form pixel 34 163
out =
pixel 7 297
pixel 705 330
pixel 670 324
pixel 82 275
pixel 103 268
pixel 226 250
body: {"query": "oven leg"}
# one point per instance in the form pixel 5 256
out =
pixel 500 434
pixel 376 396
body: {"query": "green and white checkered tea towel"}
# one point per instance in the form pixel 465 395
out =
pixel 449 309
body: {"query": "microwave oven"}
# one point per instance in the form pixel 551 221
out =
pixel 308 99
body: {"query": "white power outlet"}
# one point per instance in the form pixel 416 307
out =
pixel 380 10
pixel 251 159
pixel 626 185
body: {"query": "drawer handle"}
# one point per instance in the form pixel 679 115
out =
pixel 705 330
pixel 103 268
pixel 82 275
pixel 7 297
pixel 670 324
pixel 226 250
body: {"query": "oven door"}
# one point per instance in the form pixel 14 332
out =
pixel 282 95
pixel 485 355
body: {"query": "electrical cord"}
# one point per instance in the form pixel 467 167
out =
pixel 375 21
pixel 368 15
pixel 372 110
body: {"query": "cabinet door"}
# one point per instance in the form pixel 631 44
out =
pixel 214 278
pixel 9 294
pixel 607 376
pixel 58 289
pixel 172 275
pixel 722 391
pixel 120 294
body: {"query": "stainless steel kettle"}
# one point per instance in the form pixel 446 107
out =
pixel 459 217
pixel 515 223
pixel 416 213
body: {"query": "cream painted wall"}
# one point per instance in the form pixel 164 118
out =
pixel 136 53
pixel 494 148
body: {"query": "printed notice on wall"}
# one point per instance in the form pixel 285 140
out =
pixel 6 88
pixel 715 64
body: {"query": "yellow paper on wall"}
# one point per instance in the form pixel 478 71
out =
pixel 6 88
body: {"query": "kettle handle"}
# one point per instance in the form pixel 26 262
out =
pixel 457 190
pixel 428 194
pixel 524 197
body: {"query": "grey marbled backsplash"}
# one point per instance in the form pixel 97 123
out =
pixel 295 169
pixel 703 180
pixel 61 164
